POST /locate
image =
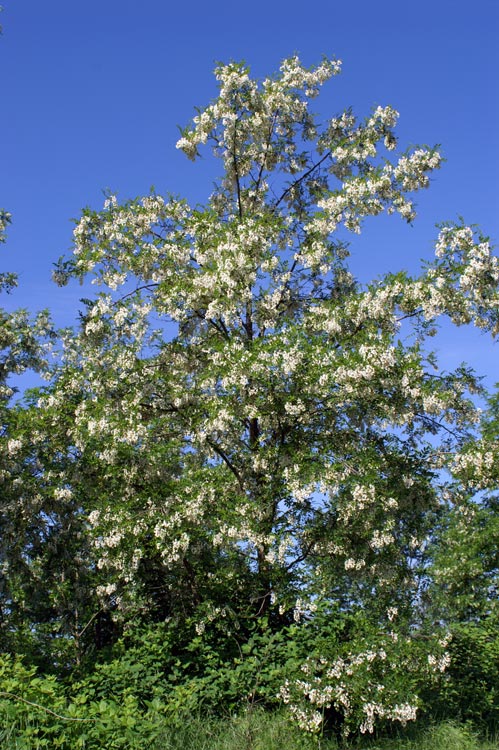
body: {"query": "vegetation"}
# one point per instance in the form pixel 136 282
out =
pixel 248 491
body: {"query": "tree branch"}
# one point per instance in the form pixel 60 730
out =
pixel 4 694
pixel 300 179
pixel 220 452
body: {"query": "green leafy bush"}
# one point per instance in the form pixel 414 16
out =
pixel 469 689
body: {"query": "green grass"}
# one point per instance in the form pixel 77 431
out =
pixel 256 730
pixel 253 731
pixel 444 736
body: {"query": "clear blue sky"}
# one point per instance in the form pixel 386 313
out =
pixel 93 91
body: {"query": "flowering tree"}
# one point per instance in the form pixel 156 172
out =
pixel 465 569
pixel 259 432
pixel 25 341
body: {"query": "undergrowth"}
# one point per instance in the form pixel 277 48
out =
pixel 257 730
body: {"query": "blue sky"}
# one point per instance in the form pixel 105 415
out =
pixel 93 92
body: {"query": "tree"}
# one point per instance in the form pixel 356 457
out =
pixel 464 579
pixel 260 434
pixel 42 548
pixel 23 346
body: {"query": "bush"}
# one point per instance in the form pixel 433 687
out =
pixel 469 689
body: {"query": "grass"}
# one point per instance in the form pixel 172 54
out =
pixel 256 730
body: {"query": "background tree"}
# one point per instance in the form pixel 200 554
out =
pixel 44 580
pixel 464 580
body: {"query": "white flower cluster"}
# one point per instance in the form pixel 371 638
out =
pixel 478 466
pixel 5 219
pixel 303 609
pixel 337 684
pixel 441 663
pixel 294 75
pixel 246 120
pixel 464 281
pixel 362 499
pixel 14 445
pixel 403 713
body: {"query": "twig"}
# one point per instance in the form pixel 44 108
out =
pixel 42 708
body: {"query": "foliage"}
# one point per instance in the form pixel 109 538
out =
pixel 464 583
pixel 469 689
pixel 465 565
pixel 39 713
pixel 25 344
